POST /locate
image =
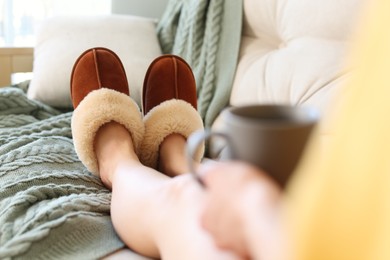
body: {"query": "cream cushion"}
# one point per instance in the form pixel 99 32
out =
pixel 293 51
pixel 61 40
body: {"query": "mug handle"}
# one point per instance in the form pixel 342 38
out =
pixel 193 143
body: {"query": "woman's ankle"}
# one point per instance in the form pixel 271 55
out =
pixel 172 160
pixel 113 145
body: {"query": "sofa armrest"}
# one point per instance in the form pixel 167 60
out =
pixel 13 60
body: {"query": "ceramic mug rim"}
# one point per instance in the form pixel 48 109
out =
pixel 295 115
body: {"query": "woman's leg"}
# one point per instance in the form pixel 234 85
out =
pixel 155 215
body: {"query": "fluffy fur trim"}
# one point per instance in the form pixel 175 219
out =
pixel 172 116
pixel 100 107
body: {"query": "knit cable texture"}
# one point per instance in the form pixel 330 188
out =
pixel 206 33
pixel 51 207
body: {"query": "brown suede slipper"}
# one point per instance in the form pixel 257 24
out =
pixel 100 94
pixel 169 105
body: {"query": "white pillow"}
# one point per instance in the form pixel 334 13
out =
pixel 61 40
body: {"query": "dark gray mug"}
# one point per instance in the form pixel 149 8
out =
pixel 271 137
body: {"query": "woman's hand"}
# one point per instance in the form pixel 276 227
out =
pixel 239 197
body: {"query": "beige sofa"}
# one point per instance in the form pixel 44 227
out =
pixel 292 52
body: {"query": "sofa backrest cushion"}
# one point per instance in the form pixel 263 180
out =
pixel 293 51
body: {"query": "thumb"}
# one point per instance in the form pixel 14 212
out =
pixel 210 172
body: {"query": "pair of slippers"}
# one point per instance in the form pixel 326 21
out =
pixel 100 94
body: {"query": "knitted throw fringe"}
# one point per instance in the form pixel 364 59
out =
pixel 51 207
pixel 206 33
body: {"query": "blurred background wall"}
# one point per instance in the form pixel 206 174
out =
pixel 148 8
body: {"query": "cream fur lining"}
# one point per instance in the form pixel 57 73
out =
pixel 172 116
pixel 100 107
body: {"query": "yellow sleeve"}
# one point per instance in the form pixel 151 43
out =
pixel 339 204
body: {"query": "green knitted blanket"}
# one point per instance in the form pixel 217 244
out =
pixel 50 206
pixel 207 34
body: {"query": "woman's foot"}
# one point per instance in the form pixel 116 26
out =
pixel 169 105
pixel 100 95
pixel 113 146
